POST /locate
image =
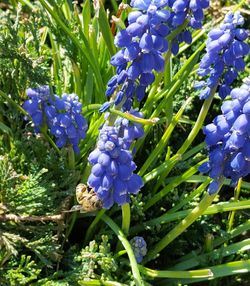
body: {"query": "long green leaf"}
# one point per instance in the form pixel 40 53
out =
pixel 223 270
pixel 85 51
pixel 213 255
pixel 167 217
pixel 105 30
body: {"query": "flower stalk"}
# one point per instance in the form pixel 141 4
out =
pixel 181 227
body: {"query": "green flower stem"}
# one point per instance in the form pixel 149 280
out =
pixel 126 216
pixel 236 197
pixel 177 31
pixel 52 143
pixel 211 210
pixel 92 227
pixel 125 219
pixel 71 158
pixel 127 246
pixel 203 273
pixel 162 168
pixel 168 77
pixel 199 123
pixel 164 140
pixel 174 183
pixel 181 227
pixel 130 117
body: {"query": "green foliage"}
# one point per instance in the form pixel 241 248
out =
pixel 68 46
pixel 22 273
pixel 22 61
pixel 96 261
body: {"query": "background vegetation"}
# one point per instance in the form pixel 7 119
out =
pixel 69 48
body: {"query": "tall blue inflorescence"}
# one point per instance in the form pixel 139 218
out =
pixel 139 247
pixel 225 50
pixel 112 176
pixel 144 42
pixel 62 115
pixel 228 141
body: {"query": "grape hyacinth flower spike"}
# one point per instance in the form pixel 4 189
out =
pixel 224 58
pixel 228 141
pixel 112 176
pixel 61 114
pixel 139 247
pixel 143 44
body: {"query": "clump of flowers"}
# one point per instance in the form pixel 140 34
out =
pixel 190 11
pixel 139 247
pixel 143 44
pixel 61 115
pixel 227 139
pixel 224 57
pixel 112 176
pixel 130 131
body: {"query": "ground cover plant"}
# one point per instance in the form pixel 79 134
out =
pixel 124 151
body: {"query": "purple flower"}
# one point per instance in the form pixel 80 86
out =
pixel 112 176
pixel 227 139
pixel 144 42
pixel 224 57
pixel 139 247
pixel 61 114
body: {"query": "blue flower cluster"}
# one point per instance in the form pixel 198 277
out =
pixel 228 141
pixel 186 10
pixel 225 50
pixel 129 131
pixel 61 114
pixel 143 43
pixel 112 176
pixel 139 247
